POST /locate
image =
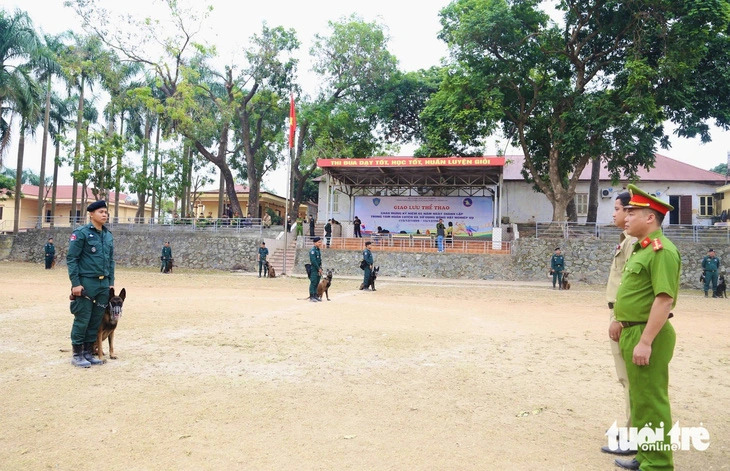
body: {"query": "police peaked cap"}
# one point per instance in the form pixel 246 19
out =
pixel 642 199
pixel 96 205
pixel 316 239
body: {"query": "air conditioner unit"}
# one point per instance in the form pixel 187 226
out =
pixel 606 192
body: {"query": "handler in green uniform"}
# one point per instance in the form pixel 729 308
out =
pixel 90 261
pixel 166 258
pixel 648 291
pixel 621 254
pixel 263 266
pixel 367 257
pixel 557 265
pixel 315 259
pixel 50 251
pixel 711 265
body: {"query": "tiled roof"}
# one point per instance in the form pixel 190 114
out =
pixel 665 169
pixel 63 192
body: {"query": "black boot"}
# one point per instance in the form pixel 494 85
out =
pixel 89 354
pixel 78 358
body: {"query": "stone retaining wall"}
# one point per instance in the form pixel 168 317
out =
pixel 587 260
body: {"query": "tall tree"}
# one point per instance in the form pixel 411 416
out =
pixel 53 48
pixel 19 50
pixel 82 62
pixel 60 116
pixel 356 71
pixel 597 87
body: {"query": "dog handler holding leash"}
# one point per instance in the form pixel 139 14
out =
pixel 367 257
pixel 315 259
pixel 90 262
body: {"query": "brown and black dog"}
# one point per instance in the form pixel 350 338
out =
pixel 566 283
pixel 271 273
pixel 324 285
pixel 109 321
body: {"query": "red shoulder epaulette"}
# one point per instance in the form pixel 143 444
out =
pixel 645 243
pixel 657 245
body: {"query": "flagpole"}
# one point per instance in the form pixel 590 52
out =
pixel 286 213
pixel 292 131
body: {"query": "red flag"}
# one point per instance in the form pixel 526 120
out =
pixel 292 122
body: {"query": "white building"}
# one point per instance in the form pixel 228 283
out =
pixel 689 189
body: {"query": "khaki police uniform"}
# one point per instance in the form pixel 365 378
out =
pixel 623 251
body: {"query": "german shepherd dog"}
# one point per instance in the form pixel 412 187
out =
pixel 109 321
pixel 270 272
pixel 373 277
pixel 324 285
pixel 566 283
pixel 721 291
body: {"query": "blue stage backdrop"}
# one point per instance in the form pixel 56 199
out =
pixel 471 216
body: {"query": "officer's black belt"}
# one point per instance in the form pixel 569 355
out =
pixel 631 323
pixel 99 277
pixel 610 305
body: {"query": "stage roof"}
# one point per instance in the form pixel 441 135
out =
pixel 412 172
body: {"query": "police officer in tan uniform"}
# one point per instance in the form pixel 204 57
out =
pixel 621 254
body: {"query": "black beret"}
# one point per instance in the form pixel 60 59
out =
pixel 316 239
pixel 557 248
pixel 368 243
pixel 96 205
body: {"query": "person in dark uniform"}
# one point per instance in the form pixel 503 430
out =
pixel 648 291
pixel 328 232
pixel 263 266
pixel 557 265
pixel 311 225
pixel 50 251
pixel 356 224
pixel 90 261
pixel 367 256
pixel 166 258
pixel 711 265
pixel 315 259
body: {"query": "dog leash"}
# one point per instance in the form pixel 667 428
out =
pixel 85 295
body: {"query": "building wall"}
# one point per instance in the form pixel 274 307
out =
pixel 523 205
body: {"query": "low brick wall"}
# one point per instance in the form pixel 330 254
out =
pixel 587 260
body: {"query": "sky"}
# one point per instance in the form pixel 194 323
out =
pixel 413 28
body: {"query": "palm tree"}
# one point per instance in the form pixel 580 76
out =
pixel 19 46
pixel 53 48
pixel 82 61
pixel 60 120
pixel 29 111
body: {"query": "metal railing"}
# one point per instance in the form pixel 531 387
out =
pixel 574 230
pixel 412 243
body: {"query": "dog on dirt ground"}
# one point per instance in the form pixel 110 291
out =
pixel 373 277
pixel 324 285
pixel 270 272
pixel 566 283
pixel 109 321
pixel 721 291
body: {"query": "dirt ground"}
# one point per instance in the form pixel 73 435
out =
pixel 226 371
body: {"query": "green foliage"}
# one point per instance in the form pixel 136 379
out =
pixel 598 87
pixel 721 169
